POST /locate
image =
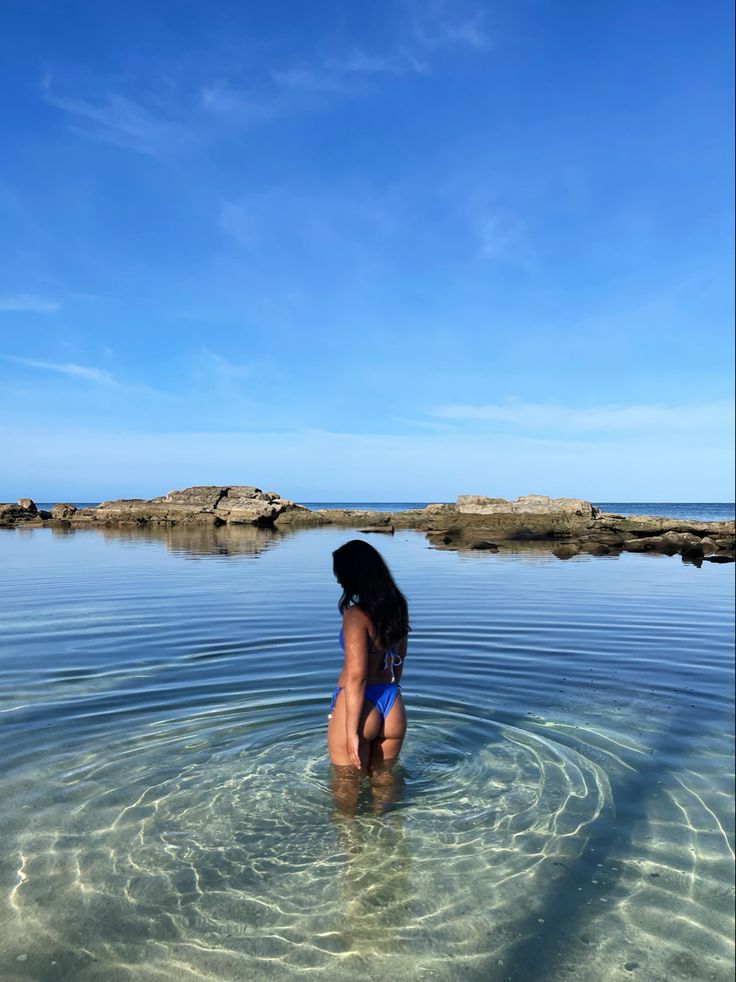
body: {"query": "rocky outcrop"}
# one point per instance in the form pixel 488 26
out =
pixel 19 514
pixel 568 527
pixel 63 510
pixel 527 504
pixel 250 506
pixel 23 512
pixel 530 517
pixel 582 528
pixel 201 505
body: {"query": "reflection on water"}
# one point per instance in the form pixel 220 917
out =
pixel 562 807
pixel 382 785
pixel 188 540
pixel 375 885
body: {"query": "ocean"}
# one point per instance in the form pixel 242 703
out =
pixel 563 807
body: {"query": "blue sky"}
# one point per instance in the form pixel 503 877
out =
pixel 395 251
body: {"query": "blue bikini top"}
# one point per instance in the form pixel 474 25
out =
pixel 391 658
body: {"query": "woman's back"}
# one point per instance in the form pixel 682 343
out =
pixel 383 662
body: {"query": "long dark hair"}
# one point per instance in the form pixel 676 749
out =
pixel 367 582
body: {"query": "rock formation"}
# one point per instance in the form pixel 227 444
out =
pixel 570 526
pixel 527 504
pixel 206 505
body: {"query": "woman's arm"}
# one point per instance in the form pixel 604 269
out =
pixel 354 635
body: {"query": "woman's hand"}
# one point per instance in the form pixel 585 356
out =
pixel 352 747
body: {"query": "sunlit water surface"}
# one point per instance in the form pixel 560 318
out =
pixel 563 809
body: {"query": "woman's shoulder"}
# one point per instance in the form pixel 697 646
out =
pixel 356 617
pixel 355 614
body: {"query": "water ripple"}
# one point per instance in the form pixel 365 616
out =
pixel 564 795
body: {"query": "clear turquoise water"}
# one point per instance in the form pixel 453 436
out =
pixel 563 809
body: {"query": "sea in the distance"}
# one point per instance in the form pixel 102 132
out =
pixel 563 809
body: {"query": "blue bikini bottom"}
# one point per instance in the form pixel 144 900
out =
pixel 382 695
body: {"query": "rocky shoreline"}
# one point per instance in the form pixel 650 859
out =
pixel 568 526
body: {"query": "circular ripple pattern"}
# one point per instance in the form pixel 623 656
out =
pixel 167 811
pixel 240 860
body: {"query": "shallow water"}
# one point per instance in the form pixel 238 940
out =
pixel 563 809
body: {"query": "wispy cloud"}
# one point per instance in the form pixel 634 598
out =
pixel 611 417
pixel 439 24
pixel 161 120
pixel 28 303
pixel 305 78
pixel 141 392
pixel 120 120
pixel 360 62
pixel 425 31
pixel 430 28
pixel 224 367
pixel 99 375
pixel 251 104
pixel 280 219
pixel 282 92
pixel 502 239
pixel 237 219
pixel 425 424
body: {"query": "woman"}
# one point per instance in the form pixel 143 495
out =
pixel 367 722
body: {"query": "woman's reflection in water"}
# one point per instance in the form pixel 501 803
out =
pixel 369 828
